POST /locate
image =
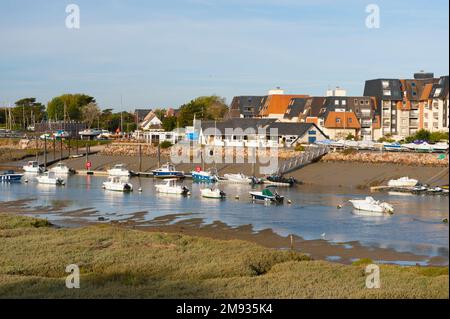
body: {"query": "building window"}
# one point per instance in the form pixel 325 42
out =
pixel 338 120
pixel 344 102
pixel 385 84
pixel 336 102
pixel 437 92
pixel 350 120
pixel 387 92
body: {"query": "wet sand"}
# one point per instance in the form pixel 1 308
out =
pixel 321 249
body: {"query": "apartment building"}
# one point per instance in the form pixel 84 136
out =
pixel 246 106
pixel 434 107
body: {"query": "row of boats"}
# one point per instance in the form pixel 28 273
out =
pixel 416 146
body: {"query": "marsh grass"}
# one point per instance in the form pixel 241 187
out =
pixel 123 263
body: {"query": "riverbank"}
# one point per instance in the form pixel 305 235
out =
pixel 117 262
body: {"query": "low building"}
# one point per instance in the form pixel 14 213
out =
pixel 151 121
pixel 258 133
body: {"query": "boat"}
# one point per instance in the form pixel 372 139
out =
pixel 435 190
pixel 167 171
pixel 114 183
pixel 32 167
pixel 119 170
pixel 170 187
pixel 238 178
pixel 90 133
pixel 403 182
pixel 61 134
pixel 204 176
pixel 369 204
pixel 61 169
pixel 10 176
pixel 50 178
pixel 279 180
pixel 392 147
pixel 267 196
pixel 212 193
pixel 440 147
pixel 419 188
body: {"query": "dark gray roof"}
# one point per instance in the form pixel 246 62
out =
pixel 298 129
pixel 247 106
pixel 443 84
pixel 296 107
pixel 375 88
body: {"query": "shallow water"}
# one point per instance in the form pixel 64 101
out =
pixel 415 227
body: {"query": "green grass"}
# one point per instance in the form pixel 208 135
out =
pixel 125 263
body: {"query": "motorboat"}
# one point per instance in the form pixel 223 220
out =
pixel 61 134
pixel 50 178
pixel 60 169
pixel 238 178
pixel 118 170
pixel 280 180
pixel 267 196
pixel 167 171
pixel 440 147
pixel 90 133
pixel 419 188
pixel 212 193
pixel 392 147
pixel 435 190
pixel 369 204
pixel 170 186
pixel 403 182
pixel 32 167
pixel 10 176
pixel 114 183
pixel 204 176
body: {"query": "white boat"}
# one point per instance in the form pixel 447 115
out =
pixel 212 193
pixel 170 187
pixel 50 178
pixel 440 147
pixel 267 196
pixel 90 133
pixel 119 170
pixel 369 204
pixel 60 169
pixel 32 167
pixel 403 182
pixel 114 183
pixel 204 176
pixel 238 178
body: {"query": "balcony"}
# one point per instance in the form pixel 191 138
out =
pixel 414 114
pixel 413 123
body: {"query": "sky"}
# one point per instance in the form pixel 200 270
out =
pixel 146 54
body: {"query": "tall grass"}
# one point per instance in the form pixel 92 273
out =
pixel 124 263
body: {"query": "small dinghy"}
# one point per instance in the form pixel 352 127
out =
pixel 114 183
pixel 280 180
pixel 267 196
pixel 50 178
pixel 10 177
pixel 33 167
pixel 369 204
pixel 119 170
pixel 170 187
pixel 212 193
pixel 60 169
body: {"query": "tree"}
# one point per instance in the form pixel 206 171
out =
pixel 204 108
pixel 27 111
pixel 71 102
pixel 90 113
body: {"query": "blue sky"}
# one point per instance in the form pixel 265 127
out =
pixel 165 53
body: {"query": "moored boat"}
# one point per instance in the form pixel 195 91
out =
pixel 204 176
pixel 369 204
pixel 61 169
pixel 167 171
pixel 119 170
pixel 32 167
pixel 170 186
pixel 267 195
pixel 280 180
pixel 50 178
pixel 238 178
pixel 403 182
pixel 212 193
pixel 10 176
pixel 114 183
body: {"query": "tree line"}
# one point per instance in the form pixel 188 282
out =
pixel 84 108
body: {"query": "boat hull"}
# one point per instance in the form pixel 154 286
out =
pixel 196 177
pixel 10 178
pixel 159 174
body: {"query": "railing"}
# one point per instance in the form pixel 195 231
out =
pixel 307 157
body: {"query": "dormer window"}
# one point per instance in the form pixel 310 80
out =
pixel 437 92
pixel 387 92
pixel 385 84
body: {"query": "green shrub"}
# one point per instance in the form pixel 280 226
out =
pixel 165 144
pixel 299 148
